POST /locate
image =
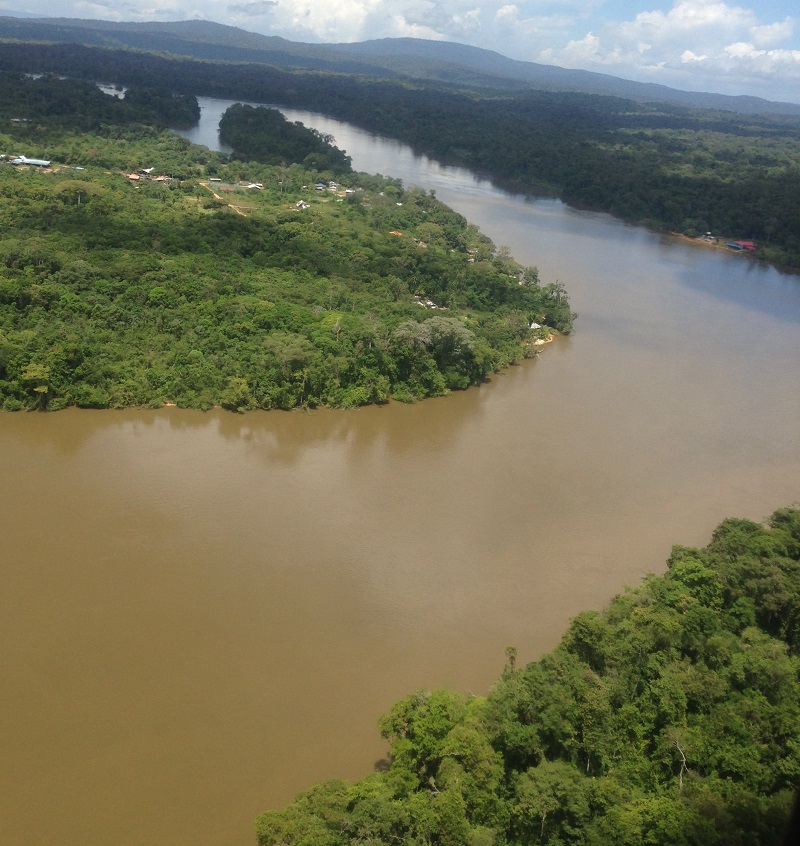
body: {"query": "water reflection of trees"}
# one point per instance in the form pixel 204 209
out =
pixel 274 436
pixel 392 429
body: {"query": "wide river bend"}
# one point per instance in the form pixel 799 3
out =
pixel 203 614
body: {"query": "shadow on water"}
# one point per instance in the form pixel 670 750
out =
pixel 396 428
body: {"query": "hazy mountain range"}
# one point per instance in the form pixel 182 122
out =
pixel 394 58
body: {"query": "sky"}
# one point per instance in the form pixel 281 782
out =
pixel 694 45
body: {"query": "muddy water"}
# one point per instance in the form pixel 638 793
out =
pixel 202 614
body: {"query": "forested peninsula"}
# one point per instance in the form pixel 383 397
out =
pixel 672 718
pixel 669 167
pixel 138 269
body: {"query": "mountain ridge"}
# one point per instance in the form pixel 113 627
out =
pixel 412 58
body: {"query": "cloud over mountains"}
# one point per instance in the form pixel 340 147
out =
pixel 693 44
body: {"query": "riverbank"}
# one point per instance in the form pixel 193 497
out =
pixel 710 243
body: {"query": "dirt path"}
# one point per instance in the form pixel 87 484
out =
pixel 222 199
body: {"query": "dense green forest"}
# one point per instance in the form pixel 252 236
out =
pixel 670 719
pixel 142 270
pixel 666 166
pixel 54 103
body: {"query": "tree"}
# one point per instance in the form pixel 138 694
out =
pixel 36 376
pixel 553 790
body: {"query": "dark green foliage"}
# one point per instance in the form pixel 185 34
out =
pixel 673 717
pixel 69 103
pixel 264 135
pixel 179 111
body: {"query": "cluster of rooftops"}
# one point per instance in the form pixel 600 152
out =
pixel 746 246
pixel 146 173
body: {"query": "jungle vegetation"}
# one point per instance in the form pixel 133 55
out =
pixel 141 270
pixel 672 718
pixel 667 166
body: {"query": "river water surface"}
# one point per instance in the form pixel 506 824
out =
pixel 203 614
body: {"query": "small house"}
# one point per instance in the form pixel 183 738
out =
pixel 24 160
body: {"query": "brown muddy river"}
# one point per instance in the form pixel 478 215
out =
pixel 203 614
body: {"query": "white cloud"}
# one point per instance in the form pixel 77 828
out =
pixel 509 12
pixel 255 8
pixel 691 16
pixel 324 20
pixel 455 20
pixel 689 56
pixel 694 44
pixel 771 34
pixel 401 28
pixel 102 11
pixel 765 61
pixel 740 50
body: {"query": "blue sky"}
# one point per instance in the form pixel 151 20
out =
pixel 698 45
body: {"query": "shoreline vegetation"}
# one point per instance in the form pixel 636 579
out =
pixel 144 270
pixel 671 718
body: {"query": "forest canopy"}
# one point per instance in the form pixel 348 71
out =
pixel 141 270
pixel 672 718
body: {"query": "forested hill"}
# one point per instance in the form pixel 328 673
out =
pixel 664 166
pixel 434 61
pixel 670 719
pixel 140 269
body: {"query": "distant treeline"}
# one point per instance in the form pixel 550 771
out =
pixel 668 167
pixel 670 719
pixel 77 104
